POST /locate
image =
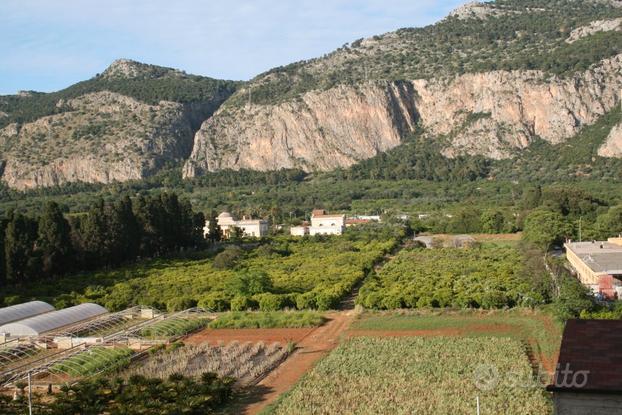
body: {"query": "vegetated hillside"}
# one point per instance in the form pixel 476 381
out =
pixel 123 124
pixel 488 80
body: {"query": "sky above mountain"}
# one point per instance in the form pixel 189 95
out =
pixel 48 45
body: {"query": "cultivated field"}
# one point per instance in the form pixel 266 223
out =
pixel 245 362
pixel 537 330
pixel 303 274
pixel 419 375
pixel 487 277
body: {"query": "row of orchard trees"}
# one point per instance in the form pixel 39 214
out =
pixel 109 234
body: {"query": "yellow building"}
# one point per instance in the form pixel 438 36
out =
pixel 596 259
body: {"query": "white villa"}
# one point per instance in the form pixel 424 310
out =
pixel 251 228
pixel 324 224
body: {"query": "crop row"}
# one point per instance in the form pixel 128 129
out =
pixel 419 375
pixel 487 277
pixel 242 361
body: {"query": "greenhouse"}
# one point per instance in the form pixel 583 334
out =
pixel 54 320
pixel 23 311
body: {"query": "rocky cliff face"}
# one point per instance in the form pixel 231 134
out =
pixel 613 144
pixel 116 126
pixel 321 131
pixel 492 114
pixel 98 138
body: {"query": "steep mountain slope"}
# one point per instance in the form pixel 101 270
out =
pixel 489 80
pixel 123 124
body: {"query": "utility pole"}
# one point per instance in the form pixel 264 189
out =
pixel 580 226
pixel 477 399
pixel 29 393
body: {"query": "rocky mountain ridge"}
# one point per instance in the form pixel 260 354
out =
pixel 489 80
pixel 124 124
pixel 492 114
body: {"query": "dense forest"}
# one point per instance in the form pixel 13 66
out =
pixel 51 244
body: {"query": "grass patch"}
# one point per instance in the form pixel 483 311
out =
pixel 525 324
pixel 268 320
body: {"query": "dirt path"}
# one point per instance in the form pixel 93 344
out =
pixel 310 349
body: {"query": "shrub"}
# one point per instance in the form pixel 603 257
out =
pixel 228 258
pixel 242 303
pixel 180 304
pixel 215 301
pixel 269 302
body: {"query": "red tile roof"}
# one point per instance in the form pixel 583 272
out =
pixel 591 354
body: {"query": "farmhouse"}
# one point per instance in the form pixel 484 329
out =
pixel 588 378
pixel 251 228
pixel 598 265
pixel 324 224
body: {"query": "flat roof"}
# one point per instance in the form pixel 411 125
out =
pixel 607 259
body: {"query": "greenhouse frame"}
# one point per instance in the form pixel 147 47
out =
pixel 40 324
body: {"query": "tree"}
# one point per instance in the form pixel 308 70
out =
pixel 54 241
pixel 123 230
pixel 466 220
pixel 609 224
pixel 532 198
pixel 493 221
pixel 228 258
pixel 3 226
pixel 545 228
pixel 93 236
pixel 19 248
pixel 248 283
pixel 214 231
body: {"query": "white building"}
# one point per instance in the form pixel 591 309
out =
pixel 299 230
pixel 251 228
pixel 324 224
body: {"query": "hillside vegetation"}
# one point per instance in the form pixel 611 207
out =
pixel 515 35
pixel 149 84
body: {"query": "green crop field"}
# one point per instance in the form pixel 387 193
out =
pixel 267 320
pixel 486 277
pixel 441 375
pixel 535 327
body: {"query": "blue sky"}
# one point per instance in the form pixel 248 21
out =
pixel 47 45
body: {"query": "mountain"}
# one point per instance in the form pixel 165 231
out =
pixel 517 82
pixel 491 79
pixel 125 123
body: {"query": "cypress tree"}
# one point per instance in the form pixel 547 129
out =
pixel 19 249
pixel 54 241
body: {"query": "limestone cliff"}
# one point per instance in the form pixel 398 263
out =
pixel 492 114
pixel 613 144
pixel 321 131
pixel 121 125
pixel 98 138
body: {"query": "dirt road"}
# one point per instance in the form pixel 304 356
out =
pixel 309 350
